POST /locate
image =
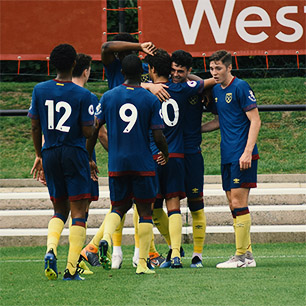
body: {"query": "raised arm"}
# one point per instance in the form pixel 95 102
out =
pixel 109 49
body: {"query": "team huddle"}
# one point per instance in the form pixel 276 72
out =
pixel 150 122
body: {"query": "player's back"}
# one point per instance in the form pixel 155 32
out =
pixel 62 108
pixel 130 112
pixel 173 112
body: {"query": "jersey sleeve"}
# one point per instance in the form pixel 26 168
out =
pixel 246 96
pixel 87 110
pixel 157 122
pixel 33 111
pixel 194 87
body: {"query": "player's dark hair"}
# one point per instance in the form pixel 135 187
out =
pixel 161 61
pixel 132 66
pixel 62 57
pixel 182 58
pixel 83 61
pixel 125 37
pixel 222 56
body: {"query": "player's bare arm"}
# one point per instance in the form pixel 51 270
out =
pixel 159 90
pixel 211 125
pixel 161 143
pixel 37 141
pixel 102 136
pixel 109 49
pixel 255 123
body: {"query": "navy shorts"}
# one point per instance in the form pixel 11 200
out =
pixel 142 189
pixel 67 173
pixel 232 177
pixel 171 179
pixel 194 175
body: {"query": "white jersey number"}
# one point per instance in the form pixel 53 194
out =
pixel 164 110
pixel 60 125
pixel 131 118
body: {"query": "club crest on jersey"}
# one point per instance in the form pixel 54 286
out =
pixel 228 97
pixel 193 100
pixel 216 99
pixel 192 83
pixel 252 96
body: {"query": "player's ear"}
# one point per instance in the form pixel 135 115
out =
pixel 189 70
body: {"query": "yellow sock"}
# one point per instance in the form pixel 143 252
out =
pixel 136 224
pixel 152 245
pixel 249 248
pixel 98 236
pixel 242 233
pixel 145 235
pixel 199 230
pixel 117 235
pixel 77 235
pixel 55 228
pixel 111 223
pixel 175 230
pixel 161 221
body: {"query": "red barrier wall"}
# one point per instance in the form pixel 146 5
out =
pixel 246 27
pixel 31 29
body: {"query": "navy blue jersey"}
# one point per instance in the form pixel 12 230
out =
pixel 62 108
pixel 115 77
pixel 192 125
pixel 173 111
pixel 232 103
pixel 130 112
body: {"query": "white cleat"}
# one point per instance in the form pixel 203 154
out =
pixel 234 262
pixel 116 261
pixel 249 260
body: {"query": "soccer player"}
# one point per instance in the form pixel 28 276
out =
pixel 171 176
pixel 64 113
pixel 239 122
pixel 130 112
pixel 112 54
pixel 181 68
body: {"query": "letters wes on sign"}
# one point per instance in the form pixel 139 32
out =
pixel 250 27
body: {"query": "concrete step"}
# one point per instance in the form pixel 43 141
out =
pixel 214 234
pixel 277 206
pixel 215 215
pixel 264 194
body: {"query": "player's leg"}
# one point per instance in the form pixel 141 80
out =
pixel 117 255
pixel 194 181
pixel 59 198
pixel 55 228
pixel 144 190
pixel 237 190
pixel 77 236
pixel 120 195
pixel 161 220
pixel 136 236
pixel 196 207
pixel 74 162
pixel 175 230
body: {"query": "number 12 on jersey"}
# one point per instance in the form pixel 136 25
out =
pixel 60 125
